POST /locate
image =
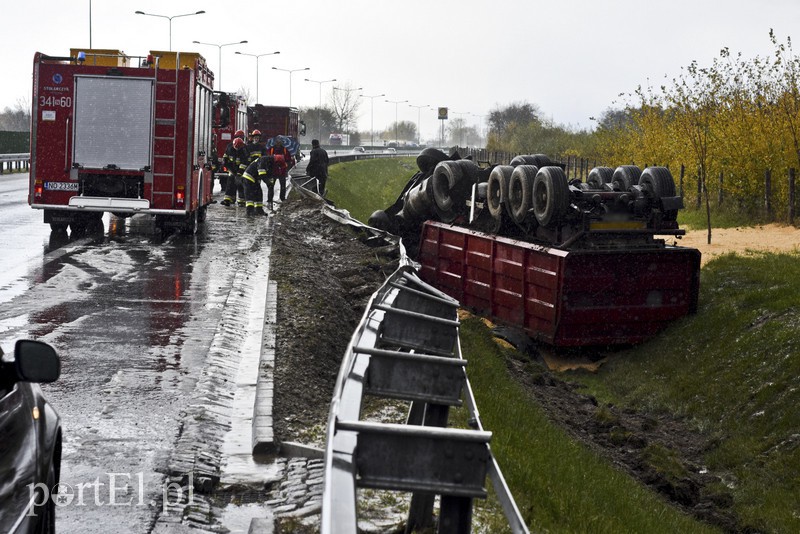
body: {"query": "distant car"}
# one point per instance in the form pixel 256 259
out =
pixel 359 150
pixel 389 150
pixel 30 455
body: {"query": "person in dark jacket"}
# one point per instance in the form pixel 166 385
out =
pixel 236 159
pixel 318 166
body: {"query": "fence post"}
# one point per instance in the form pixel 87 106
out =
pixel 683 170
pixel 768 192
pixel 720 194
pixel 791 195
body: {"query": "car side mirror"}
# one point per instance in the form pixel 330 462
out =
pixel 36 361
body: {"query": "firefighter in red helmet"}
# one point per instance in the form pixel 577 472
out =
pixel 236 159
pixel 255 148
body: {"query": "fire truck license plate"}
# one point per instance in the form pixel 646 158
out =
pixel 61 186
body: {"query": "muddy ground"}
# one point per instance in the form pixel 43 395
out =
pixel 325 276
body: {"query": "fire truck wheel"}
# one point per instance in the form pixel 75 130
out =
pixel 625 177
pixel 540 160
pixel 58 228
pixel 520 192
pixel 445 177
pixel 202 213
pixel 497 190
pixel 550 195
pixel 599 176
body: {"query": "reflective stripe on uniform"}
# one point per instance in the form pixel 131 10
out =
pixel 247 176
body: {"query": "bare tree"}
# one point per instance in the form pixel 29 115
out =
pixel 17 119
pixel 345 103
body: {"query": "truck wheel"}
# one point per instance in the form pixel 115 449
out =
pixel 599 176
pixel 497 190
pixel 540 160
pixel 550 195
pixel 445 177
pixel 520 192
pixel 429 158
pixel 658 183
pixel 625 177
pixel 58 228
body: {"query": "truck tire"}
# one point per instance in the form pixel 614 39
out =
pixel 625 177
pixel 659 183
pixel 520 192
pixel 550 195
pixel 599 176
pixel 429 158
pixel 497 190
pixel 445 177
pixel 540 160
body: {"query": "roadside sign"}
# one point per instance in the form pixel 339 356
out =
pixel 443 114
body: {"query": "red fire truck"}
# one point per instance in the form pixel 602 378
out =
pixel 275 120
pixel 230 114
pixel 121 134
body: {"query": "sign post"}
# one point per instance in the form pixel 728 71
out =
pixel 442 117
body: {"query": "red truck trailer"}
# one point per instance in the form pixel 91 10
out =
pixel 572 263
pixel 121 134
pixel 275 120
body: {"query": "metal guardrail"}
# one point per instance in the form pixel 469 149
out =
pixel 13 162
pixel 407 347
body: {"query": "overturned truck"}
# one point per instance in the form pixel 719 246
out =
pixel 572 263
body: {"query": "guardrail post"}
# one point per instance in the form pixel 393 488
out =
pixel 420 511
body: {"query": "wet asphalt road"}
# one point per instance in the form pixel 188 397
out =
pixel 132 318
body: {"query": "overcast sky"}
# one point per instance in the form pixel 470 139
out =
pixel 571 58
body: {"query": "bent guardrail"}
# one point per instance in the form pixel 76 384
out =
pixel 407 347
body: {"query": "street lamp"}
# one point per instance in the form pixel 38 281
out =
pixel 170 20
pixel 372 116
pixel 291 71
pixel 419 108
pixel 319 110
pixel 219 46
pixel 396 102
pixel 257 56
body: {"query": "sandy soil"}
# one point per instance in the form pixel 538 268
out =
pixel 743 240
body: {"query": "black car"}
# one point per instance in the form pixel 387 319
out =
pixel 30 439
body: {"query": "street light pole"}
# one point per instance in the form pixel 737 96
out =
pixel 396 102
pixel 170 20
pixel 257 56
pixel 372 116
pixel 319 109
pixel 219 46
pixel 419 108
pixel 291 71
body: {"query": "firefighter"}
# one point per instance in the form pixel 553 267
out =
pixel 260 169
pixel 318 166
pixel 279 168
pixel 278 149
pixel 236 158
pixel 254 146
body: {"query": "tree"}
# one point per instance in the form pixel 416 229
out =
pixel 519 113
pixel 345 103
pixel 400 131
pixel 321 122
pixel 17 119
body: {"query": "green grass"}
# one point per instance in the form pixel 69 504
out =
pixel 558 484
pixel 733 370
pixel 364 186
pixel 721 217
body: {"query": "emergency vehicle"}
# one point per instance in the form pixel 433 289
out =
pixel 121 134
pixel 230 115
pixel 275 120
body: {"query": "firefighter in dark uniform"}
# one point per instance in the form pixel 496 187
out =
pixel 236 159
pixel 279 168
pixel 256 171
pixel 254 146
pixel 278 149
